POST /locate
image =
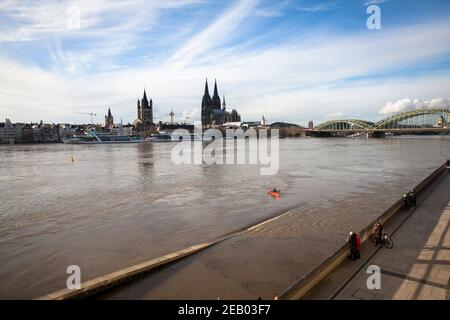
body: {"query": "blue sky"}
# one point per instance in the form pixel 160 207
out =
pixel 289 60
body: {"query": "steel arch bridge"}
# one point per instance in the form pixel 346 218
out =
pixel 433 119
pixel 345 124
pixel 420 118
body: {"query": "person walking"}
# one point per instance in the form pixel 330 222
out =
pixel 357 246
pixel 352 244
pixel 413 197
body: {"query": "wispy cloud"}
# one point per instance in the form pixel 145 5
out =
pixel 38 20
pixel 368 3
pixel 214 34
pixel 106 30
pixel 334 115
pixel 268 13
pixel 318 7
pixel 310 74
pixel 408 104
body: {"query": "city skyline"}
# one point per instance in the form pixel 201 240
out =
pixel 296 60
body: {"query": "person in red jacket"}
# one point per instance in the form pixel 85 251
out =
pixel 354 241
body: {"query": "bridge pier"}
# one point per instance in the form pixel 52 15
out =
pixel 376 134
pixel 322 134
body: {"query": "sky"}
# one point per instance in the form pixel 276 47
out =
pixel 289 60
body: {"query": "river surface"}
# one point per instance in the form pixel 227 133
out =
pixel 118 205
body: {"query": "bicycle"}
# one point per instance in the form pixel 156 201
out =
pixel 386 240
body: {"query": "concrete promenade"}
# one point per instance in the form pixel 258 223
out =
pixel 418 267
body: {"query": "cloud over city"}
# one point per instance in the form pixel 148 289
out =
pixel 408 104
pixel 268 59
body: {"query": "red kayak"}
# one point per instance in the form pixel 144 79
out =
pixel 274 194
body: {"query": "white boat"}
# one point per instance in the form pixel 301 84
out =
pixel 167 137
pixel 357 135
pixel 160 137
pixel 92 137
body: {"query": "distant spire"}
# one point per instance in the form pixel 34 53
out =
pixel 171 114
pixel 109 112
pixel 224 104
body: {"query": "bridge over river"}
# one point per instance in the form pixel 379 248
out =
pixel 412 122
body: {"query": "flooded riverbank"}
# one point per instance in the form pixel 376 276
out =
pixel 119 205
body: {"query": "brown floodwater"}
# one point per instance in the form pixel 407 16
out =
pixel 117 205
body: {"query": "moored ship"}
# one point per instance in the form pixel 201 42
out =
pixel 160 137
pixel 92 137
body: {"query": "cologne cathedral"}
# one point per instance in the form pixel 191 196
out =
pixel 214 112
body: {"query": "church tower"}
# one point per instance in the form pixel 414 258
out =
pixel 145 110
pixel 109 120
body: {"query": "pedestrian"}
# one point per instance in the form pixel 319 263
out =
pixel 357 246
pixel 413 197
pixel 352 244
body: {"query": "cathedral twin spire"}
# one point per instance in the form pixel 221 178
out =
pixel 215 88
pixel 213 102
pixel 206 89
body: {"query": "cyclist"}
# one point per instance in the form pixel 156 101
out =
pixel 406 201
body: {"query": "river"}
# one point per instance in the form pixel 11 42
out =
pixel 117 205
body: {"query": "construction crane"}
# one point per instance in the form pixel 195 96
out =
pixel 91 114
